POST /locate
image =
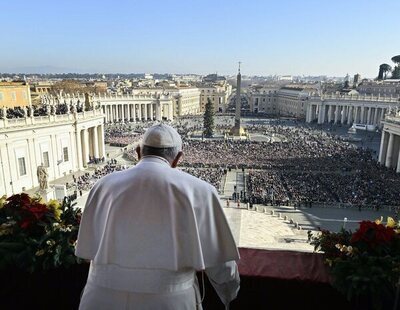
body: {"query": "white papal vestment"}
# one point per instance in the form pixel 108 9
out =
pixel 147 230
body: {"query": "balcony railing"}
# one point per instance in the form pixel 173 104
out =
pixel 58 118
pixel 269 280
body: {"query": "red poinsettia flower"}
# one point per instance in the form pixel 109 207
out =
pixel 19 200
pixel 373 234
pixel 38 210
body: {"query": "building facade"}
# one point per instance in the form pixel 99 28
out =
pixel 388 88
pixel 284 101
pixel 264 101
pixel 14 94
pixel 218 93
pixel 62 143
pixel 389 153
pixel 345 109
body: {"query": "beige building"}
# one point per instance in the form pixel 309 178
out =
pixel 218 93
pixel 389 153
pixel 14 94
pixel 284 101
pixel 264 100
pixel 293 101
pixel 186 100
pixel 385 88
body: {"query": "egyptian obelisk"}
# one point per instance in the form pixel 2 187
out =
pixel 237 130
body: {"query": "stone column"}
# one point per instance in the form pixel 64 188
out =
pixel 307 113
pixel 123 112
pixel 95 142
pixel 343 115
pixel 375 116
pixel 129 115
pixel 158 111
pixel 140 112
pixel 398 163
pixel 134 112
pixel 320 113
pixel 362 115
pixel 350 115
pixel 170 112
pixel 85 147
pixel 389 155
pixel 369 115
pixel 336 114
pixel 102 144
pixel 151 111
pixel 329 114
pixel 145 112
pixel 78 148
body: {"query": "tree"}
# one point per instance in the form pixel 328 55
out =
pixel 396 70
pixel 209 119
pixel 383 71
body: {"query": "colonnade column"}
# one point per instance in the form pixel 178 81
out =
pixel 336 114
pixel 134 113
pixel 95 142
pixel 398 163
pixel 145 112
pixel 362 115
pixel 369 116
pixel 170 112
pixel 388 162
pixel 350 115
pixel 158 111
pixel 123 112
pixel 375 117
pixel 140 112
pixel 329 114
pixel 102 144
pixel 151 111
pixel 129 115
pixel 320 113
pixel 79 148
pixel 85 147
pixel 343 115
pixel 383 148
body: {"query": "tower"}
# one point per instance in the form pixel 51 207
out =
pixel 237 130
pixel 238 100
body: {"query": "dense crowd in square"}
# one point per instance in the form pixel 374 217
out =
pixel 298 164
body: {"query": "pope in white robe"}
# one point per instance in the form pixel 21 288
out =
pixel 148 229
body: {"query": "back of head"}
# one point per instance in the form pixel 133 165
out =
pixel 161 140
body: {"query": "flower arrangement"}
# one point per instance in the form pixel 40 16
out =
pixel 365 265
pixel 37 236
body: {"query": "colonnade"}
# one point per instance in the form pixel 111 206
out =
pixel 125 111
pixel 346 114
pixel 389 153
pixel 90 144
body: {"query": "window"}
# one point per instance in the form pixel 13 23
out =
pixel 46 161
pixel 1 96
pixel 65 154
pixel 22 166
pixel 14 96
pixel 25 95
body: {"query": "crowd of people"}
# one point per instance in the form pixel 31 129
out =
pixel 86 181
pixel 212 176
pixel 124 134
pixel 297 164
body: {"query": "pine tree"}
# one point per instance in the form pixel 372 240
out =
pixel 209 119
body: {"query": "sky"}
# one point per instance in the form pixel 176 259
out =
pixel 283 37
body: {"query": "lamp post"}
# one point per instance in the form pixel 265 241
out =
pixel 344 222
